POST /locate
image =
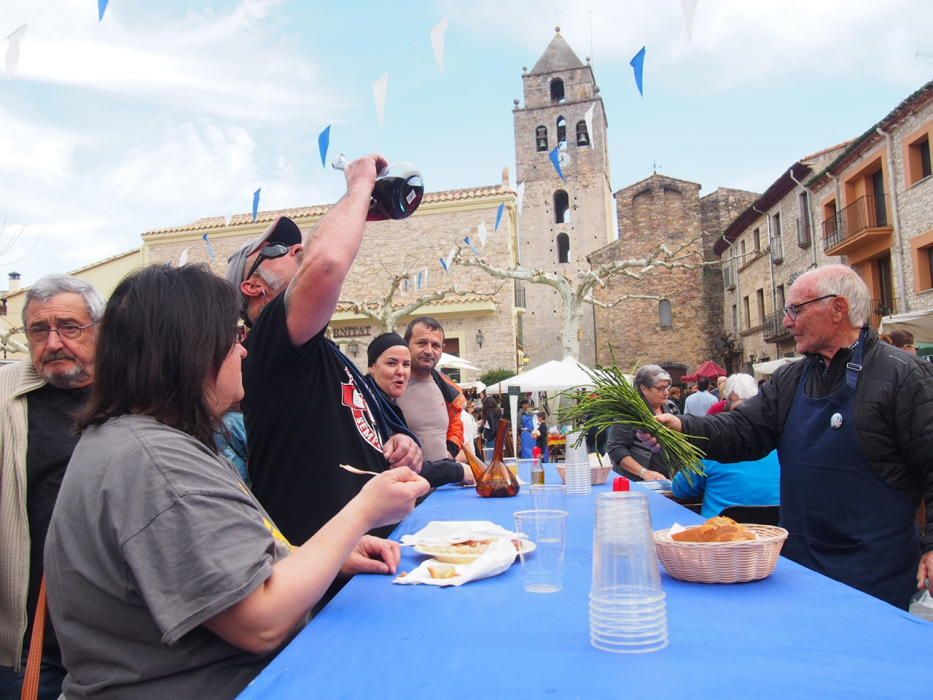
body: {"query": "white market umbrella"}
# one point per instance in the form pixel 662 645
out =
pixel 766 369
pixel 551 376
pixel 454 362
pixel 920 323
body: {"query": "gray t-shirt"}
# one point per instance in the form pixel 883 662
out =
pixel 426 414
pixel 152 535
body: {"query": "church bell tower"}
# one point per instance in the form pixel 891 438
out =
pixel 562 220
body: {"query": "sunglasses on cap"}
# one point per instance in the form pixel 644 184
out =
pixel 269 252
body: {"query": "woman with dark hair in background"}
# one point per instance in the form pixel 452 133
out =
pixel 166 578
pixel 489 418
pixel 901 339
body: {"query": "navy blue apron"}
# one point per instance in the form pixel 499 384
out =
pixel 844 520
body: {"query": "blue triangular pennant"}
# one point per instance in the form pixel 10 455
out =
pixel 555 160
pixel 323 141
pixel 499 212
pixel 256 202
pixel 101 9
pixel 638 63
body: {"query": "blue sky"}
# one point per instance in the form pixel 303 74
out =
pixel 173 110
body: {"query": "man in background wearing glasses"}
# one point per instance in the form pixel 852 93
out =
pixel 307 408
pixel 851 423
pixel 39 398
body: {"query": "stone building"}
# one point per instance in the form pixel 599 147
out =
pixel 480 324
pixel 674 316
pixel 761 252
pixel 875 205
pixel 562 221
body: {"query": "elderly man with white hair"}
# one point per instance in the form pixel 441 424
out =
pixel 851 423
pixel 751 483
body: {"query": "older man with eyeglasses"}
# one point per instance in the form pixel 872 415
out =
pixel 851 423
pixel 39 398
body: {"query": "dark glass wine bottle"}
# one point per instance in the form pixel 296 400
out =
pixel 498 481
pixel 396 196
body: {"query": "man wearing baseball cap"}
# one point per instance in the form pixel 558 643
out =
pixel 307 407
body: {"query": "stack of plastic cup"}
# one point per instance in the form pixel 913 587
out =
pixel 628 610
pixel 578 478
pixel 577 474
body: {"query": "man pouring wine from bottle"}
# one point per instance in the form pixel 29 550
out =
pixel 307 409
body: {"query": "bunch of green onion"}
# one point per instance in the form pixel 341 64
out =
pixel 614 400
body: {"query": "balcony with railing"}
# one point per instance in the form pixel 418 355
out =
pixel 774 330
pixel 880 308
pixel 862 222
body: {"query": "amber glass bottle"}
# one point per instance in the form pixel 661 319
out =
pixel 498 481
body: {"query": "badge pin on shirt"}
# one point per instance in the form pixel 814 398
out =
pixel 835 421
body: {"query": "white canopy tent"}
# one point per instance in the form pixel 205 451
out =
pixel 920 323
pixel 454 362
pixel 550 377
pixel 766 369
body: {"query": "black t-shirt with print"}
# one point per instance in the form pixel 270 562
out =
pixel 304 416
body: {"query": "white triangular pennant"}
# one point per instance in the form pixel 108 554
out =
pixel 690 9
pixel 588 118
pixel 481 233
pixel 437 42
pixel 520 196
pixel 183 258
pixel 12 50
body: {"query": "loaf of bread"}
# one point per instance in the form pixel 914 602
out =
pixel 718 529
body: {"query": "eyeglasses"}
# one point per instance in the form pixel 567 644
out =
pixel 269 252
pixel 69 331
pixel 662 388
pixel 793 310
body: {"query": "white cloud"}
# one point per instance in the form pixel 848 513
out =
pixel 736 43
pixel 231 65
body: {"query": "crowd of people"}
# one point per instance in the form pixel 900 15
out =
pixel 169 572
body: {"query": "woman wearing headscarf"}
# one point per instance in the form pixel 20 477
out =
pixel 389 362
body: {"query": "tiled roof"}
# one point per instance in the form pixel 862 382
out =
pixel 210 223
pixel 557 56
pixel 450 299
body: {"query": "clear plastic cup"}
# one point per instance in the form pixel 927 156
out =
pixel 512 464
pixel 628 611
pixel 548 496
pixel 543 569
pixel 524 469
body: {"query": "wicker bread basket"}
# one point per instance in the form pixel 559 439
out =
pixel 722 562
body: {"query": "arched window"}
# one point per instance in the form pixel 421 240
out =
pixel 563 248
pixel 561 207
pixel 583 136
pixel 557 91
pixel 666 314
pixel 541 138
pixel 561 133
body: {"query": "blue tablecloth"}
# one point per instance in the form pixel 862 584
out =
pixel 796 633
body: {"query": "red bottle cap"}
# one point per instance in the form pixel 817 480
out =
pixel 536 452
pixel 620 483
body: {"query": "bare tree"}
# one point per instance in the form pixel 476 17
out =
pixel 576 293
pixel 387 312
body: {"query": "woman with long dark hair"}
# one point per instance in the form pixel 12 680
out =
pixel 166 578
